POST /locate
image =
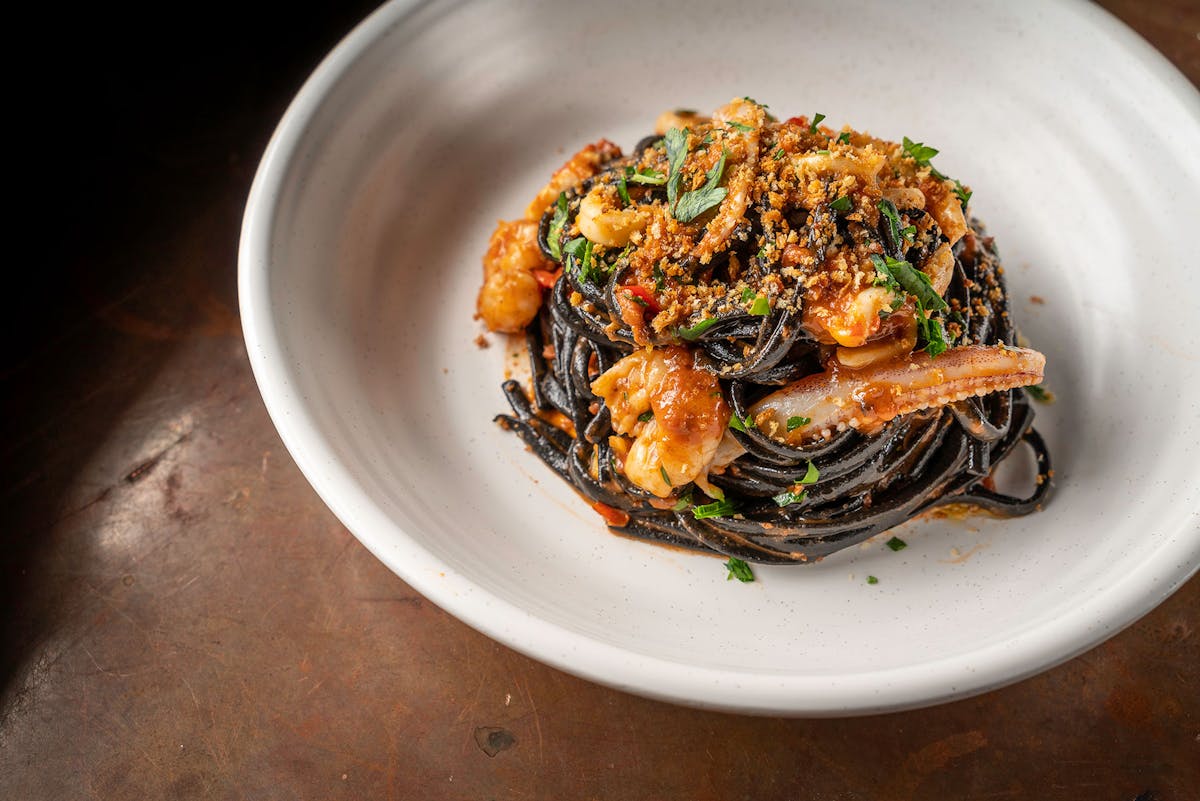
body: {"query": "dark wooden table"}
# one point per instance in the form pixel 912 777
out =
pixel 183 618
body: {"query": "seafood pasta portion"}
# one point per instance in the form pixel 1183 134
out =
pixel 767 339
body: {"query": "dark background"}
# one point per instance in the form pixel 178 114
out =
pixel 182 617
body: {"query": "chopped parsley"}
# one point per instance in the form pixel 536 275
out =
pixel 843 203
pixel 780 154
pixel 962 193
pixel 579 251
pixel 810 475
pixel 738 570
pixel 822 152
pixel 891 218
pixel 554 232
pixel 741 423
pixel 696 330
pixel 623 191
pixel 676 143
pixel 897 544
pixel 740 126
pixel 645 176
pixel 715 509
pixel 902 278
pixel 659 278
pixel 761 307
pixel 844 138
pixel 663 472
pixel 789 497
pixel 1040 393
pixel 683 503
pixel 646 416
pixel 815 122
pixel 795 422
pixel 872 580
pixel 921 154
pixel 748 294
pixel 692 204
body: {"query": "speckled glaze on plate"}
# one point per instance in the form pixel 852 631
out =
pixel 360 262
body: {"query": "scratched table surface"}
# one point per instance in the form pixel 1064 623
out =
pixel 183 618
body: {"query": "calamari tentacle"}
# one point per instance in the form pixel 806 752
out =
pixel 866 399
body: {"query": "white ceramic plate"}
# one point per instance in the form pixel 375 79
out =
pixel 360 262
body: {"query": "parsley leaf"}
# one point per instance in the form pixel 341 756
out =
pixel 692 204
pixel 738 570
pixel 872 580
pixel 843 203
pixel 1040 394
pixel 747 294
pixel 646 416
pixel 921 154
pixel 897 544
pixel 683 503
pixel 914 282
pixel 645 176
pixel 761 307
pixel 815 122
pixel 662 471
pixel 844 138
pixel 795 422
pixel 891 220
pixel 962 193
pixel 789 497
pixel 554 232
pixel 676 142
pixel 779 154
pixel 696 330
pixel 716 509
pixel 623 191
pixel 740 126
pixel 810 475
pixel 659 278
pixel 741 424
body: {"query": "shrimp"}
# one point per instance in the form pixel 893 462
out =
pixel 511 295
pixel 690 416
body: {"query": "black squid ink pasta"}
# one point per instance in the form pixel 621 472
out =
pixel 770 340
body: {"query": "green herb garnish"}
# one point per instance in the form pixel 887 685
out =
pixel 663 472
pixel 659 278
pixel 645 176
pixel 761 307
pixel 740 126
pixel 902 278
pixel 741 423
pixel 810 475
pixel 748 294
pixel 816 121
pixel 962 193
pixel 623 191
pixel 891 218
pixel 922 154
pixel 789 497
pixel 684 502
pixel 843 203
pixel 646 416
pixel 795 422
pixel 554 232
pixel 780 154
pixel 676 143
pixel 1040 393
pixel 716 509
pixel 696 330
pixel 872 580
pixel 738 570
pixel 692 204
pixel 822 152
pixel 844 138
pixel 897 544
